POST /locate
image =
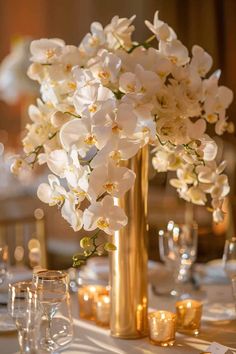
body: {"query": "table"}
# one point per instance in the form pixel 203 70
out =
pixel 90 339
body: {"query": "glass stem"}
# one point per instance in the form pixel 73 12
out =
pixel 48 338
pixel 27 345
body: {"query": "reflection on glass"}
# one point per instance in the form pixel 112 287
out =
pixel 57 326
pixel 23 307
pixel 178 249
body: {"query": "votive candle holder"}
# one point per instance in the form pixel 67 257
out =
pixel 103 310
pixel 88 295
pixel 189 313
pixel 162 328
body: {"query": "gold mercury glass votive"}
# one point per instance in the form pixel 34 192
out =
pixel 162 327
pixel 189 314
pixel 88 295
pixel 103 310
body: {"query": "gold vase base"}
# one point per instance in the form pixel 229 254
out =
pixel 129 336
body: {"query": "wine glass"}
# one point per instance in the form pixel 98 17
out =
pixel 3 263
pixel 234 289
pixel 229 257
pixel 229 262
pixel 178 250
pixel 56 327
pixel 23 307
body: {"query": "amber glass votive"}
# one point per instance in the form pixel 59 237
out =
pixel 162 326
pixel 88 295
pixel 189 314
pixel 103 310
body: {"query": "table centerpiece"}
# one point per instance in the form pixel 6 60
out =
pixel 102 104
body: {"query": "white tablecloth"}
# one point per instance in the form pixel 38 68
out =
pixel 90 339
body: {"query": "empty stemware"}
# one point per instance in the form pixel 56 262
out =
pixel 54 298
pixel 23 307
pixel 3 263
pixel 178 249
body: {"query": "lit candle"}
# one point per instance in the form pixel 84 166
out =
pixel 189 314
pixel 87 300
pixel 162 328
pixel 103 310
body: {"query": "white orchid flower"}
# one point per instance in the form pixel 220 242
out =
pixel 89 99
pixel 119 32
pixel 83 135
pixel 116 149
pixel 165 161
pixel 175 51
pixel 71 213
pixel 161 30
pixel 105 67
pixel 197 196
pixel 201 61
pixel 142 82
pixel 111 121
pixel 208 148
pixel 83 77
pixel 52 193
pixel 218 102
pixel 104 215
pixel 111 179
pixel 70 57
pixel 46 51
pixel 94 40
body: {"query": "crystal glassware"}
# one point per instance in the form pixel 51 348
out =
pixel 23 307
pixel 229 262
pixel 229 257
pixel 178 250
pixel 54 298
pixel 234 289
pixel 3 263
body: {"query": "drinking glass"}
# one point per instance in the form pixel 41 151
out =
pixel 229 257
pixel 23 307
pixel 54 298
pixel 229 263
pixel 234 289
pixel 178 250
pixel 3 263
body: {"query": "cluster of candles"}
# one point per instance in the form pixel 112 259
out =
pixel 164 324
pixel 94 304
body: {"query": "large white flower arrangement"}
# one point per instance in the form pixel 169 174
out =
pixel 102 101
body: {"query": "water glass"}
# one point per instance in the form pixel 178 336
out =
pixel 234 289
pixel 229 257
pixel 23 307
pixel 178 250
pixel 3 263
pixel 54 298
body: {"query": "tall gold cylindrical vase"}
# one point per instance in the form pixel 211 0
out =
pixel 128 264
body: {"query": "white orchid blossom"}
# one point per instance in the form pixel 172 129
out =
pixel 46 51
pixel 160 29
pixel 112 179
pixel 104 215
pixel 106 99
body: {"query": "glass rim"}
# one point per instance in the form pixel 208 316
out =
pixel 55 274
pixel 21 285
